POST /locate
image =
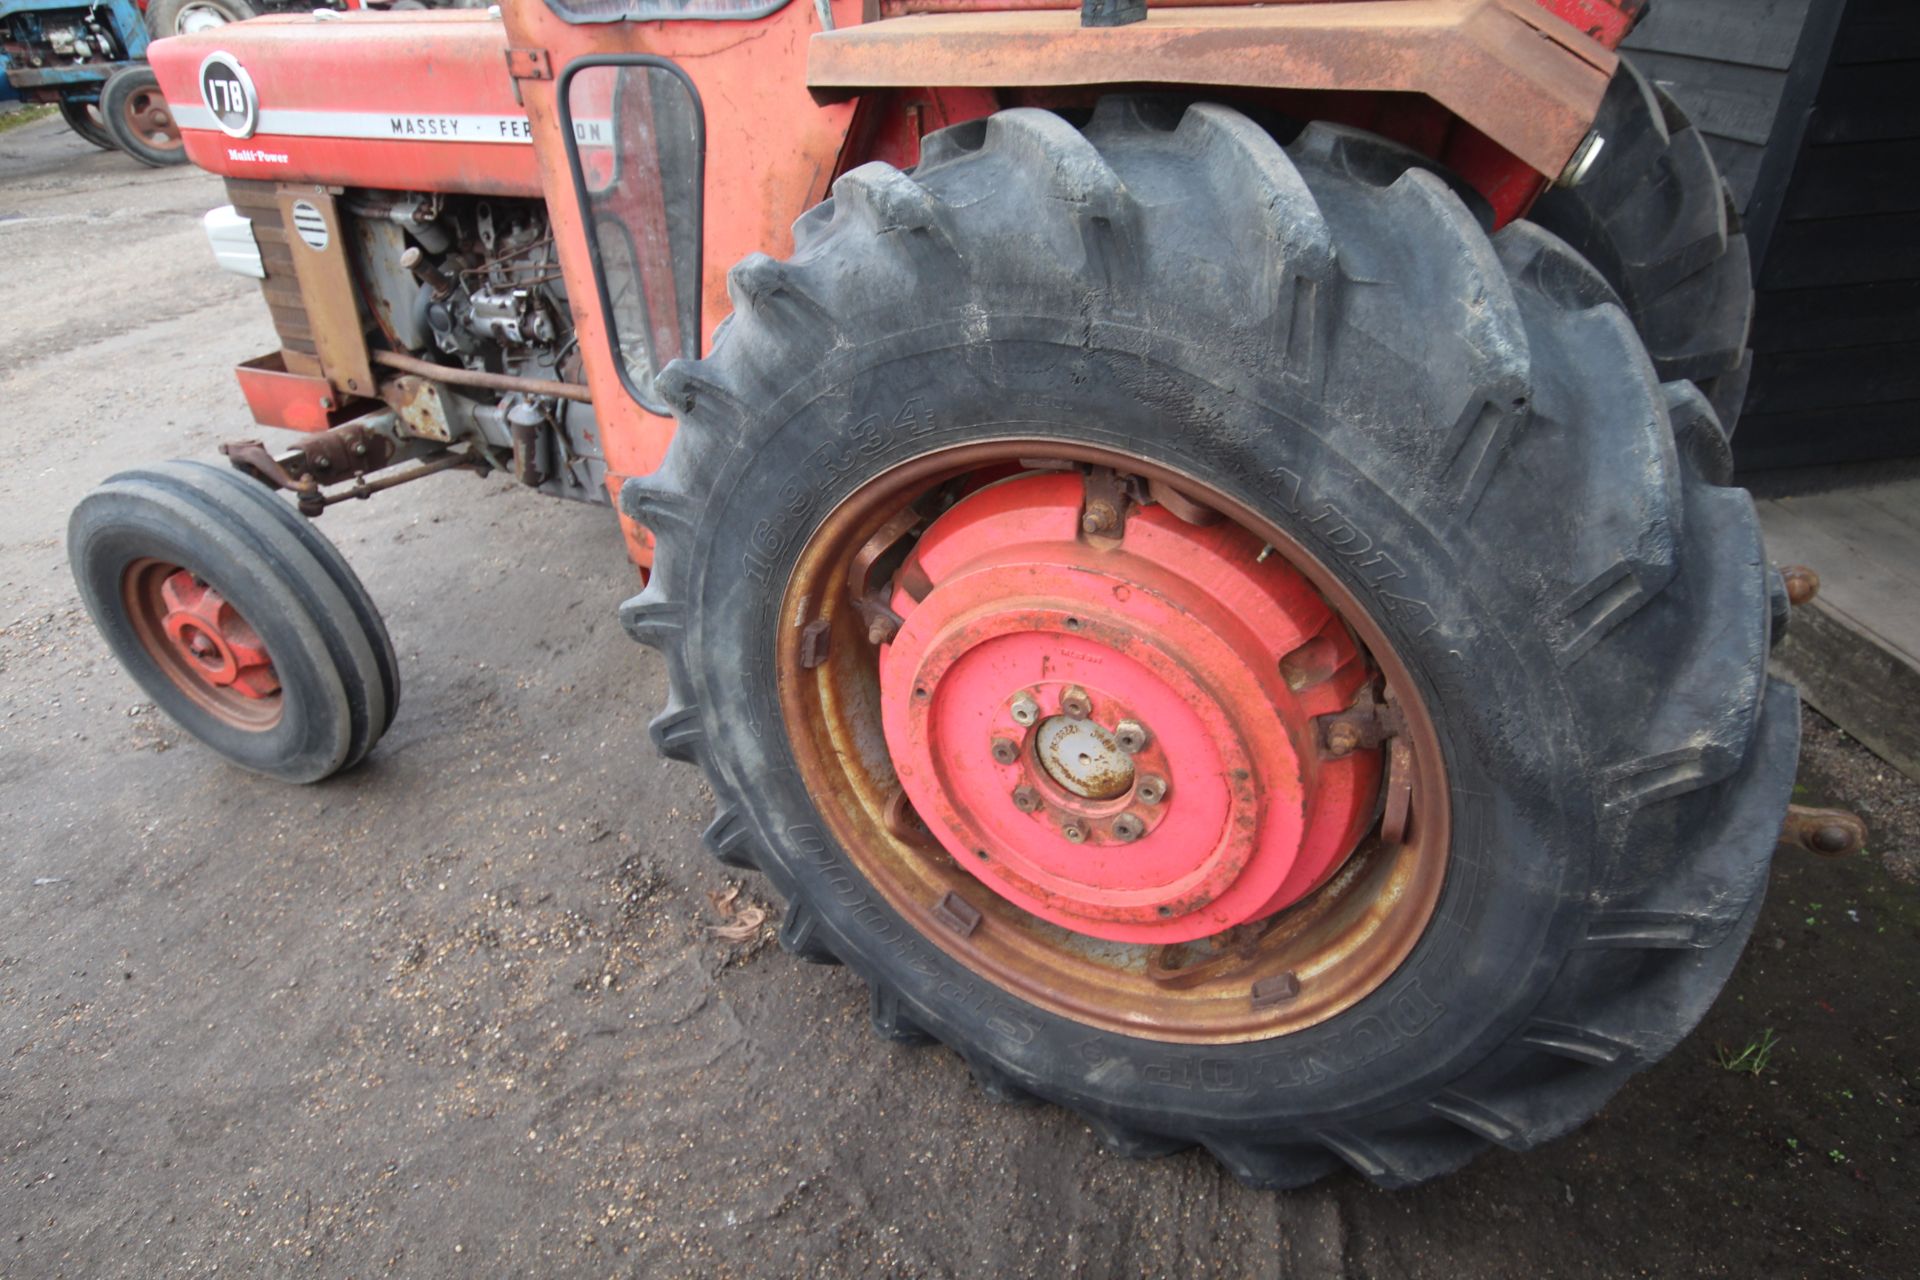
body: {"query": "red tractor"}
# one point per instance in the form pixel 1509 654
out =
pixel 1193 545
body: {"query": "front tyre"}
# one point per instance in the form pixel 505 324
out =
pixel 137 115
pixel 1220 641
pixel 84 119
pixel 236 617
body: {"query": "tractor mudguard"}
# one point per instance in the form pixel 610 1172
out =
pixel 1523 77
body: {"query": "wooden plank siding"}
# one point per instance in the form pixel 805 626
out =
pixel 1836 373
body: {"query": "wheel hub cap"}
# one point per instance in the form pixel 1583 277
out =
pixel 1084 757
pixel 216 641
pixel 1115 731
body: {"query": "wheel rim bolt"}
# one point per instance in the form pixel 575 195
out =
pixel 1026 799
pixel 1076 703
pixel 1151 789
pixel 1074 830
pixel 1128 827
pixel 1131 735
pixel 1004 751
pixel 1342 738
pixel 1024 709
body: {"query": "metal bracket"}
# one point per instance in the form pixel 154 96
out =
pixel 1831 833
pixel 1363 726
pixel 872 600
pixel 957 914
pixel 1112 13
pixel 529 64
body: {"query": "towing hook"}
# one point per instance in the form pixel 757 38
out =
pixel 1831 833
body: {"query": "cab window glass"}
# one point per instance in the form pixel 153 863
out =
pixel 637 154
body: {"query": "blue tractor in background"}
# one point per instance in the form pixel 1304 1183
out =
pixel 88 58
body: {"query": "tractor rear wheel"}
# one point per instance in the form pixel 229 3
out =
pixel 190 17
pixel 139 119
pixel 236 617
pixel 1220 641
pixel 1654 217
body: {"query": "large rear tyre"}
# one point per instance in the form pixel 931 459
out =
pixel 1656 219
pixel 236 617
pixel 84 119
pixel 190 17
pixel 1150 438
pixel 139 119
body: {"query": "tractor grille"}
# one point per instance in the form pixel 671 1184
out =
pixel 260 202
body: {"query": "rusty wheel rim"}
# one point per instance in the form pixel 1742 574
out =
pixel 146 114
pixel 203 645
pixel 1313 959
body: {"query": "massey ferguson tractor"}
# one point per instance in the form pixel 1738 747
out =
pixel 1192 543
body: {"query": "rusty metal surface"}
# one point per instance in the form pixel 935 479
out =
pixel 327 288
pixel 279 397
pixel 1802 583
pixel 1338 944
pixel 1607 21
pixel 1515 72
pixel 314 502
pixel 1830 833
pixel 327 457
pixel 259 202
pixel 416 401
pixel 477 378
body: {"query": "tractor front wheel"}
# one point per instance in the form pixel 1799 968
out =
pixel 84 119
pixel 236 617
pixel 1221 641
pixel 139 119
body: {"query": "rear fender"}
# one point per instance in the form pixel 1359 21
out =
pixel 1514 72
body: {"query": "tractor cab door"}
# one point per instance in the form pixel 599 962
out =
pixel 674 138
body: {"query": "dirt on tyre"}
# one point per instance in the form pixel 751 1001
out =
pixel 138 118
pixel 236 617
pixel 1220 641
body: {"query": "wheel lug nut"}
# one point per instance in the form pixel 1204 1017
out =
pixel 1100 517
pixel 1026 799
pixel 1131 735
pixel 1004 751
pixel 1074 830
pixel 1024 709
pixel 1342 738
pixel 1128 827
pixel 1076 703
pixel 1151 789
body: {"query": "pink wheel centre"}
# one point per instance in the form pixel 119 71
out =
pixel 1116 733
pixel 219 644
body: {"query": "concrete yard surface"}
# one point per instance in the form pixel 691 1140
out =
pixel 461 1012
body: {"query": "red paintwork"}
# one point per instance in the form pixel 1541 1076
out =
pixel 772 150
pixel 293 401
pixel 1181 628
pixel 1606 21
pixel 217 643
pixel 416 65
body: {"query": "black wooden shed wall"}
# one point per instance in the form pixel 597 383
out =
pixel 1813 109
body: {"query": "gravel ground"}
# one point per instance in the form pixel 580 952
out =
pixel 463 1011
